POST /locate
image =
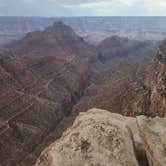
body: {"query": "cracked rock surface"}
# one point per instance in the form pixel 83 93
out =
pixel 97 138
pixel 153 134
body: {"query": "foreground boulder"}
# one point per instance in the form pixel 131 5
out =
pixel 153 134
pixel 97 138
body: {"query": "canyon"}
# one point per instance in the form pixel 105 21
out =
pixel 49 76
pixel 39 86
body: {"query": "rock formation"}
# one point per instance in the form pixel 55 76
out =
pixel 41 77
pixel 117 78
pixel 153 134
pixel 156 81
pixel 96 138
pixel 101 138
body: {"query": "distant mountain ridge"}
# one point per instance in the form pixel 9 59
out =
pixel 92 29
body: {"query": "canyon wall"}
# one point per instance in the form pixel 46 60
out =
pixel 41 77
pixel 156 81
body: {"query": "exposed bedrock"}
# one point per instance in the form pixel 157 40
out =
pixel 97 138
pixel 100 138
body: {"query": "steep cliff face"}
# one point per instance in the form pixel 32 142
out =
pixel 156 81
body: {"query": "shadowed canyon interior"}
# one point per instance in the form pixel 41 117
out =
pixel 50 78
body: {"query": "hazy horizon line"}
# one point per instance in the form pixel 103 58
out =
pixel 80 16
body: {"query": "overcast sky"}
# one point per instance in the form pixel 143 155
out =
pixel 51 8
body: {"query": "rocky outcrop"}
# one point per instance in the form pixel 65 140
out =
pixel 153 134
pixel 97 137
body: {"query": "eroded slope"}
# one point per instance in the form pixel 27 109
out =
pixel 41 78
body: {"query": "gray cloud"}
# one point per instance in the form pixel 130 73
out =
pixel 81 7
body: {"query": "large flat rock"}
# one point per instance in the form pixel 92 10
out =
pixel 153 134
pixel 97 138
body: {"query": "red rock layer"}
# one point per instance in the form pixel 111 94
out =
pixel 41 77
pixel 156 81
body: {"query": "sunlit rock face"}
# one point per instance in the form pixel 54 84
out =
pixel 96 138
pixel 100 138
